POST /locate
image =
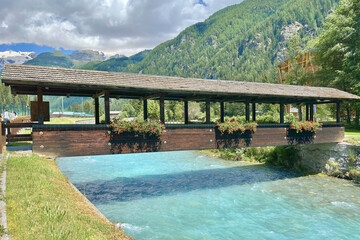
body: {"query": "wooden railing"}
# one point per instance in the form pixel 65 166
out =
pixel 10 131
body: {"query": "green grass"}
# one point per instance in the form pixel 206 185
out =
pixel 65 120
pixel 42 204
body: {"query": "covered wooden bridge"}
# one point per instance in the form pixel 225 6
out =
pixel 72 140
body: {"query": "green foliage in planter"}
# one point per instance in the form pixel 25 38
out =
pixel 233 126
pixel 309 126
pixel 138 127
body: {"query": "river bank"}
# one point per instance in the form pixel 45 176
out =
pixel 340 160
pixel 42 204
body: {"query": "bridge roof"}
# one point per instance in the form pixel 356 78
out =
pixel 25 79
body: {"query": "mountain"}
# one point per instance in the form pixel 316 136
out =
pixel 116 64
pixel 15 57
pixel 87 56
pixel 240 42
pixel 52 59
pixel 59 59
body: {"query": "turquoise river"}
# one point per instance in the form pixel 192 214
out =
pixel 185 195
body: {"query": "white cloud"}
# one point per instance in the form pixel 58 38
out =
pixel 117 26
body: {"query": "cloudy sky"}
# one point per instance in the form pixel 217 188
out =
pixel 111 26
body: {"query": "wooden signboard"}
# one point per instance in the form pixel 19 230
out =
pixel 44 109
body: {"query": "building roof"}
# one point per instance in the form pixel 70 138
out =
pixel 25 79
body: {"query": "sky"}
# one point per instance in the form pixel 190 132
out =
pixel 111 26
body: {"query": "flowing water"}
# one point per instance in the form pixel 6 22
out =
pixel 184 195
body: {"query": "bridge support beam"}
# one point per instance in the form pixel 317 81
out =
pixel 247 111
pixel 300 113
pixel 162 109
pixel 97 113
pixel 254 112
pixel 107 107
pixel 145 109
pixel 311 106
pixel 282 108
pixel 39 100
pixel 186 112
pixel 307 112
pixel 222 111
pixel 207 111
pixel 338 112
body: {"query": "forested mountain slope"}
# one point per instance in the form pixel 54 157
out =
pixel 240 42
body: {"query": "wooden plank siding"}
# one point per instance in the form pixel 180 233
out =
pixel 68 141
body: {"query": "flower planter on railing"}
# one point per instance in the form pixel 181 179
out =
pixel 137 128
pixel 233 133
pixel 135 136
pixel 302 132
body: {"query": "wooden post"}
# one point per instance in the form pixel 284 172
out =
pixel 186 112
pixel 145 106
pixel 307 112
pixel 254 112
pixel 40 100
pixel 97 112
pixel 222 111
pixel 338 112
pixel 311 106
pixel 247 111
pixel 282 107
pixel 300 113
pixel 162 109
pixel 107 107
pixel 208 111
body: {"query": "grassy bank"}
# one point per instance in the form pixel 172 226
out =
pixel 42 204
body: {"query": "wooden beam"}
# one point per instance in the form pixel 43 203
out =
pixel 254 112
pixel 247 111
pixel 40 100
pixel 186 112
pixel 311 106
pixel 96 95
pixel 107 107
pixel 300 113
pixel 145 109
pixel 222 111
pixel 162 109
pixel 159 95
pixel 97 110
pixel 207 110
pixel 282 108
pixel 338 120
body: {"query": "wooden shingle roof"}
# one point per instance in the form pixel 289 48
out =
pixel 24 79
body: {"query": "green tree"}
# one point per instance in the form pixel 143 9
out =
pixel 339 50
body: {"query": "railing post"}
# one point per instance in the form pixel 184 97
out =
pixel 186 112
pixel 338 112
pixel 282 107
pixel 208 111
pixel 247 111
pixel 145 110
pixel 107 107
pixel 222 111
pixel 162 109
pixel 254 112
pixel 97 113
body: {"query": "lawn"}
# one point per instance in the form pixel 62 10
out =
pixel 42 204
pixel 65 120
